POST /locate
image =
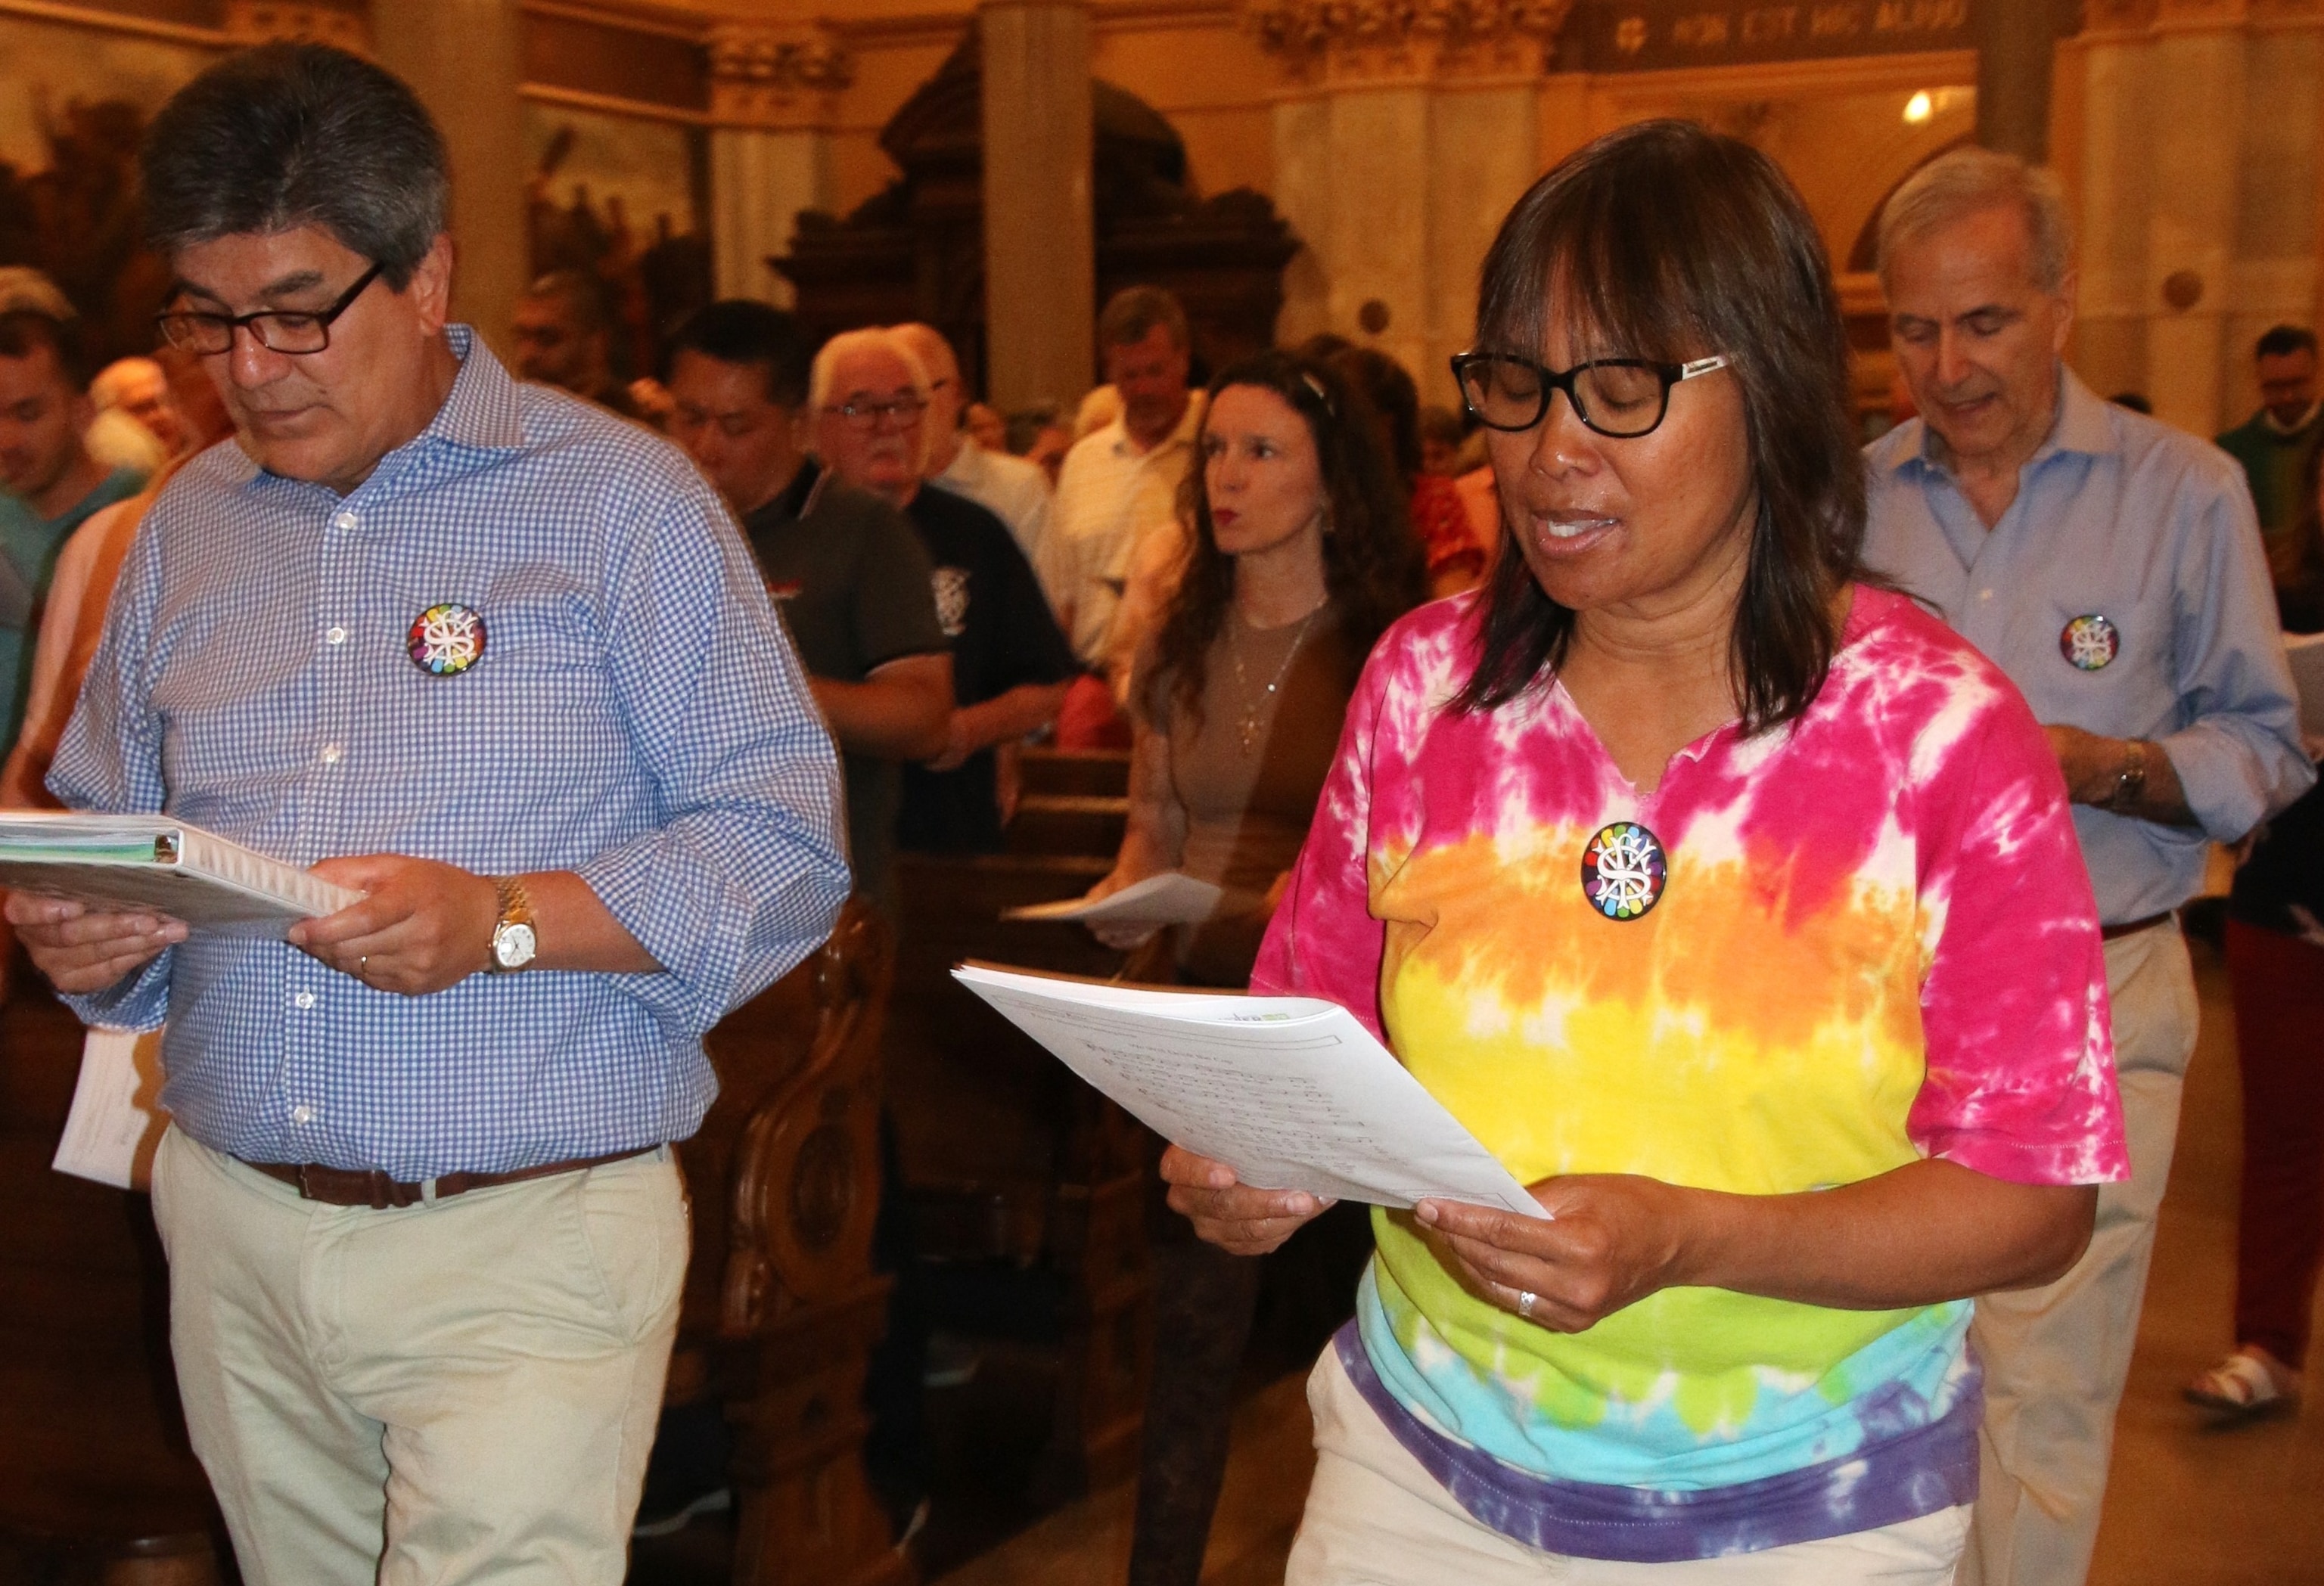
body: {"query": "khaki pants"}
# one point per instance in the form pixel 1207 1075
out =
pixel 2055 1357
pixel 465 1392
pixel 1376 1518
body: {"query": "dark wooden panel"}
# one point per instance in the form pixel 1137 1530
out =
pixel 595 57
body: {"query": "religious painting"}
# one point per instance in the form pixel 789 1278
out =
pixel 73 107
pixel 621 199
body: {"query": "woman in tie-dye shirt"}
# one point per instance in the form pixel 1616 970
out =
pixel 1735 905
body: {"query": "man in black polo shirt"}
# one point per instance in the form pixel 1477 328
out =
pixel 845 569
pixel 1010 663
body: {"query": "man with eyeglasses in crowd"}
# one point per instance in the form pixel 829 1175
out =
pixel 1011 664
pixel 2111 566
pixel 499 662
pixel 845 569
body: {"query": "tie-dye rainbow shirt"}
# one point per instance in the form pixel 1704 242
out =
pixel 1875 943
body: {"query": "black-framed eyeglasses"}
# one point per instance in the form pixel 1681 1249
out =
pixel 1620 398
pixel 277 330
pixel 866 415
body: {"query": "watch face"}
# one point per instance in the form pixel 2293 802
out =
pixel 513 946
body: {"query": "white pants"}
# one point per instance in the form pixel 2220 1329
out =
pixel 1376 1518
pixel 2055 1358
pixel 458 1393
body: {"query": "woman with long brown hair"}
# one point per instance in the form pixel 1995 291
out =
pixel 1300 555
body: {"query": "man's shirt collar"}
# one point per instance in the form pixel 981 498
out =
pixel 2084 426
pixel 479 413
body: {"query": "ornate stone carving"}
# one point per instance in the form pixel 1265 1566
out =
pixel 265 21
pixel 775 77
pixel 1335 41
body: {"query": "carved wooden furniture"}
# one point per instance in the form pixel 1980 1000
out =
pixel 781 1305
pixel 915 251
pixel 1012 1163
pixel 94 1471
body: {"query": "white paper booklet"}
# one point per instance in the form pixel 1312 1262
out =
pixel 1172 898
pixel 116 1119
pixel 2306 652
pixel 123 861
pixel 1291 1091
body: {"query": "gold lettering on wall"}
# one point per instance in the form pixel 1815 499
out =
pixel 1644 35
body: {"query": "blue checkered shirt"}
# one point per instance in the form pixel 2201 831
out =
pixel 636 716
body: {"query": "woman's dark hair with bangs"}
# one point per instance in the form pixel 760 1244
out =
pixel 1373 568
pixel 1667 241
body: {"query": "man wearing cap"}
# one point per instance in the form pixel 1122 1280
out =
pixel 2111 566
pixel 498 661
pixel 49 483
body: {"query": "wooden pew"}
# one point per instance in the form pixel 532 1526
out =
pixel 94 1471
pixel 1011 1159
pixel 781 1307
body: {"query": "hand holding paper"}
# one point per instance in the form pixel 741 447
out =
pixel 1290 1092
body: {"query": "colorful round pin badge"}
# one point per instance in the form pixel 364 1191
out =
pixel 447 640
pixel 2089 642
pixel 1624 871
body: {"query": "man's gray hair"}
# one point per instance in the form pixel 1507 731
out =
pixel 848 343
pixel 1966 181
pixel 288 136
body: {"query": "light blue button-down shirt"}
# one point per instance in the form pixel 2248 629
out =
pixel 636 716
pixel 2122 518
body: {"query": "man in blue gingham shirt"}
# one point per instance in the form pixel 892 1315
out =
pixel 501 663
pixel 635 717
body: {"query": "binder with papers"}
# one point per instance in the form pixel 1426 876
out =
pixel 150 862
pixel 1292 1093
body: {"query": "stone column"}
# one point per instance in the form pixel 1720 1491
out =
pixel 2194 119
pixel 1040 250
pixel 773 97
pixel 2014 49
pixel 465 59
pixel 1401 139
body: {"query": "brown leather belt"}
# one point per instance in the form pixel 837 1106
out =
pixel 2131 927
pixel 345 1186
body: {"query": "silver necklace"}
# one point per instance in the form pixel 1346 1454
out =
pixel 1259 704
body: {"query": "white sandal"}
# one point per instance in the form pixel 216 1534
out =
pixel 2246 1387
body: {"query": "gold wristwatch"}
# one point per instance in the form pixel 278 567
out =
pixel 514 941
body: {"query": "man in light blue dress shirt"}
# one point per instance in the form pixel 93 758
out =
pixel 2112 567
pixel 500 661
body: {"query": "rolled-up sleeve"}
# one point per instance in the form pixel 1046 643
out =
pixel 110 758
pixel 2237 754
pixel 745 875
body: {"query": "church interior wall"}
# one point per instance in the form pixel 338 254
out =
pixel 2189 152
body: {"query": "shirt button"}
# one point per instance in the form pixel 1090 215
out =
pixel 336 635
pixel 302 1115
pixel 346 521
pixel 303 999
pixel 332 754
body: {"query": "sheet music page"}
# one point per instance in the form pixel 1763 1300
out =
pixel 1293 1093
pixel 1169 898
pixel 116 1119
